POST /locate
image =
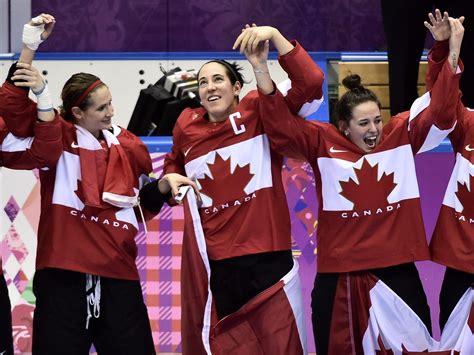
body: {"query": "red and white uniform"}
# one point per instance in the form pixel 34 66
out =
pixel 453 239
pixel 77 230
pixel 244 211
pixel 369 203
pixel 244 208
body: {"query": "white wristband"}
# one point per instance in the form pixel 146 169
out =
pixel 32 36
pixel 44 101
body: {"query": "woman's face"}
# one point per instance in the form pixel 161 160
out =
pixel 365 126
pixel 98 115
pixel 217 94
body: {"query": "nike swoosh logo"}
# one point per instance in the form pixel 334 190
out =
pixel 468 148
pixel 73 145
pixel 332 150
pixel 187 151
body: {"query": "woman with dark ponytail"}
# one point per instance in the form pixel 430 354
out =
pixel 368 295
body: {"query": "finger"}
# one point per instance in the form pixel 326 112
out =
pixel 36 21
pixel 25 70
pixel 452 24
pixel 254 44
pixel 23 65
pixel 195 188
pixel 23 74
pixel 196 192
pixel 431 18
pixel 461 19
pixel 175 192
pixel 47 30
pixel 427 25
pixel 49 18
pixel 438 15
pixel 254 25
pixel 24 83
pixel 238 40
pixel 245 39
pixel 23 77
pixel 445 16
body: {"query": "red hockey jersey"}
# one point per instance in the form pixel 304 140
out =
pixel 369 203
pixel 244 208
pixel 79 228
pixel 453 239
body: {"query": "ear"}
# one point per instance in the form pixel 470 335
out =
pixel 77 112
pixel 237 88
pixel 342 125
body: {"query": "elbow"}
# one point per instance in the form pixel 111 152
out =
pixel 316 83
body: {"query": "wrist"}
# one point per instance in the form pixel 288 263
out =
pixel 275 33
pixel 44 101
pixel 32 36
pixel 260 69
pixel 39 91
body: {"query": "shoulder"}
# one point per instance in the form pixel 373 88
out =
pixel 249 99
pixel 190 114
pixel 400 120
pixel 320 126
pixel 126 138
pixel 124 134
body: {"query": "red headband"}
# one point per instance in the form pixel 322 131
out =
pixel 86 92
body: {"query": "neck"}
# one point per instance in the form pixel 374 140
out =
pixel 222 117
pixel 95 133
pixel 217 119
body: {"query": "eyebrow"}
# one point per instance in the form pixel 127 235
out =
pixel 214 75
pixel 368 118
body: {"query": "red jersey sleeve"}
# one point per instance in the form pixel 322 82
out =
pixel 306 77
pixel 433 115
pixel 289 135
pixel 17 110
pixel 41 151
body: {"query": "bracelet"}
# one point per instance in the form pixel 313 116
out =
pixel 258 71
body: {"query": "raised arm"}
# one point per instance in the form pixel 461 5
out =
pixel 433 116
pixel 20 115
pixel 440 28
pixel 34 33
pixel 306 77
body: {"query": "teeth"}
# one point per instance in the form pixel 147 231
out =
pixel 370 141
pixel 213 98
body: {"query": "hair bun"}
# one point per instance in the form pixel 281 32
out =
pixel 352 81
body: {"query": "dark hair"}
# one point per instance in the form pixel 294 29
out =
pixel 356 95
pixel 72 91
pixel 233 71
